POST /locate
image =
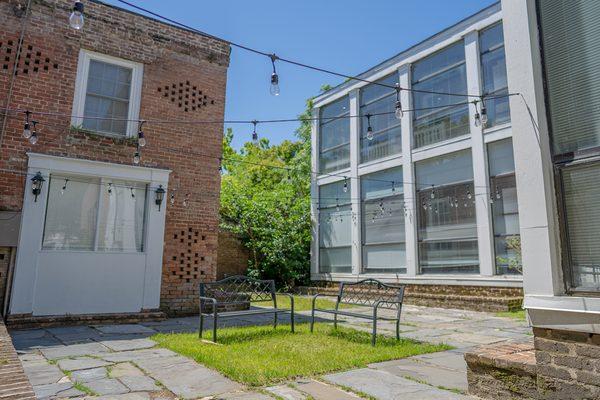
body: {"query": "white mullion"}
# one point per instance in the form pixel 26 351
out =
pixel 100 204
pixel 356 224
pixel 485 234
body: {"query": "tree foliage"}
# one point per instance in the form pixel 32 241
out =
pixel 268 208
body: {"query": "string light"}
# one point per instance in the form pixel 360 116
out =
pixel 109 189
pixel 274 77
pixel 477 117
pixel 185 199
pixel 432 192
pixel 254 134
pixel 141 138
pixel 345 187
pixel 33 139
pixel 137 157
pixel 369 127
pixel 484 115
pixel 76 19
pixel 220 165
pixel 398 113
pixel 498 194
pixel 172 197
pixel 132 193
pixel 62 190
pixel 469 195
pixel 27 127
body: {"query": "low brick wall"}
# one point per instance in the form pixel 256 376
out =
pixel 473 298
pixel 559 365
pixel 506 371
pixel 14 384
pixel 17 321
pixel 232 256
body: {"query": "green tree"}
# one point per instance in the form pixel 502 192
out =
pixel 268 208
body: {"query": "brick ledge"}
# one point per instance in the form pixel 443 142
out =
pixel 24 321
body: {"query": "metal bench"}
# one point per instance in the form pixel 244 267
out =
pixel 368 293
pixel 237 293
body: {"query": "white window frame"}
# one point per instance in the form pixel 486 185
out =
pixel 135 94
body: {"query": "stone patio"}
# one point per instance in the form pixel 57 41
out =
pixel 121 362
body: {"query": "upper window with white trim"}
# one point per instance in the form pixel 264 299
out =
pixel 107 94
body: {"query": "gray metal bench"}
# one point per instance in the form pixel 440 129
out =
pixel 232 297
pixel 367 293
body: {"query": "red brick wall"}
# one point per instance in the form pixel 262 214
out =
pixel 171 56
pixel 232 257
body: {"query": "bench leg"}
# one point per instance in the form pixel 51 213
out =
pixel 274 320
pixel 201 326
pixel 398 329
pixel 374 334
pixel 312 320
pixel 335 321
pixel 215 318
pixel 292 320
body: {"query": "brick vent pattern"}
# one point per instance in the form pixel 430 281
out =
pixel 30 60
pixel 559 365
pixel 14 384
pixel 165 51
pixel 473 298
pixel 186 96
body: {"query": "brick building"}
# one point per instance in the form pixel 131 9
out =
pixel 94 241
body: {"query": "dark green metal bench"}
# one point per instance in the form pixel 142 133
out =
pixel 233 296
pixel 367 293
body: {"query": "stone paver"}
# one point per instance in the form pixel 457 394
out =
pixel 122 362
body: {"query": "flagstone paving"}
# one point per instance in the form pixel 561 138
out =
pixel 121 362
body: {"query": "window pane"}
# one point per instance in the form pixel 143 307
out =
pixel 386 140
pixel 441 125
pixel 581 194
pixel 447 226
pixel 335 237
pixel 500 157
pixel 493 69
pixel 108 91
pixel 449 56
pixel 121 220
pixel 334 136
pixel 71 215
pixel 571 45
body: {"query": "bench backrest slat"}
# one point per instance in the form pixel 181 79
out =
pixel 370 291
pixel 239 290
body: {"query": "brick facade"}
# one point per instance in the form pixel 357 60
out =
pixel 559 365
pixel 232 256
pixel 176 63
pixel 4 263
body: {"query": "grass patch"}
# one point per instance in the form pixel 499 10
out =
pixel 518 315
pixel 261 355
pixel 301 303
pixel 82 388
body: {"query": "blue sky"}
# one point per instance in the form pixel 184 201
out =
pixel 347 36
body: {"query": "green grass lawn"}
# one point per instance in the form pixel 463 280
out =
pixel 261 355
pixel 301 303
pixel 518 315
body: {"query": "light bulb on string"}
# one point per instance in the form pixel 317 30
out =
pixel 337 205
pixel 369 128
pixel 186 199
pixel 498 194
pixel 398 113
pixel 484 114
pixel 274 77
pixel 393 187
pixel 345 187
pixel 76 19
pixel 62 190
pixel 33 139
pixel 109 189
pixel 132 193
pixel 141 138
pixel 432 193
pixel 469 195
pixel 254 134
pixel 491 199
pixel 172 197
pixel 27 127
pixel 137 157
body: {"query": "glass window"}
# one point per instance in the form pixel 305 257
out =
pixel 386 139
pixel 107 96
pixel 571 46
pixel 88 214
pixel 383 241
pixel 438 118
pixel 505 211
pixel 334 136
pixel 493 70
pixel 447 228
pixel 581 194
pixel 335 229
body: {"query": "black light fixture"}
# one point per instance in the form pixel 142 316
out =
pixel 76 19
pixel 369 128
pixel 254 134
pixel 36 185
pixel 160 195
pixel 141 138
pixel 27 126
pixel 398 113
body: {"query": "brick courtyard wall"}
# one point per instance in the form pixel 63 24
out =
pixel 14 384
pixel 176 63
pixel 232 256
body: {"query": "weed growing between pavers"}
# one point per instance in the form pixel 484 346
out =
pixel 261 355
pixel 518 315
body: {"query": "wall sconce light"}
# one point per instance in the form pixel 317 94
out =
pixel 36 185
pixel 160 195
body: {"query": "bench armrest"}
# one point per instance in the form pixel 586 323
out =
pixel 214 301
pixel 291 296
pixel 314 299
